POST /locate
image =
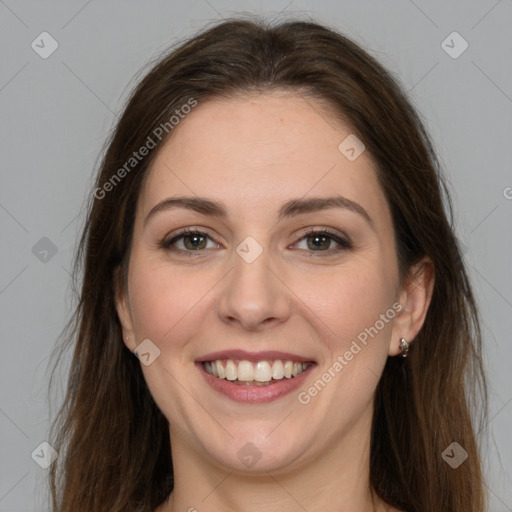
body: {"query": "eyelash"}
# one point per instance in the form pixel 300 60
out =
pixel 343 243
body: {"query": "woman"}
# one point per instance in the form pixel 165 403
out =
pixel 274 311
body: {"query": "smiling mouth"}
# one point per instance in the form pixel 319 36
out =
pixel 261 373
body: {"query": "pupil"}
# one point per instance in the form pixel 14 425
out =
pixel 324 242
pixel 193 239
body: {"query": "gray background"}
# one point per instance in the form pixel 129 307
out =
pixel 56 113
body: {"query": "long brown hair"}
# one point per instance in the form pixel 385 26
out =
pixel 113 440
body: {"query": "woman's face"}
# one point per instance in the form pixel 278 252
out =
pixel 275 274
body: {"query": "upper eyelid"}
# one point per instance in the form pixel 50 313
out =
pixel 305 232
pixel 188 231
pixel 301 233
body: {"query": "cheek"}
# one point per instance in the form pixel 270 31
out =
pixel 163 302
pixel 349 300
pixel 354 316
pixel 167 308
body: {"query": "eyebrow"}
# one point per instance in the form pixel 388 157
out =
pixel 291 208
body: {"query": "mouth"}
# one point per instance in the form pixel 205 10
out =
pixel 261 373
pixel 254 377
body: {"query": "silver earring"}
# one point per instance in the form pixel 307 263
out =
pixel 404 346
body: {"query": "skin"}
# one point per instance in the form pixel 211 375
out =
pixel 254 153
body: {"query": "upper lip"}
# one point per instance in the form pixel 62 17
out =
pixel 267 355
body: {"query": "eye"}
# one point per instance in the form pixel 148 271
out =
pixel 189 240
pixel 314 241
pixel 321 241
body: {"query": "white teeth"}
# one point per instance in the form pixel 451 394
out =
pixel 230 370
pixel 288 369
pixel 220 370
pixel 245 371
pixel 262 371
pixel 277 370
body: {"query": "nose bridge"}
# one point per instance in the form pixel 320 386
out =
pixel 253 295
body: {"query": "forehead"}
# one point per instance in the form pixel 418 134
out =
pixel 256 151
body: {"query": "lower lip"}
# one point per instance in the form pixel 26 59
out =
pixel 255 394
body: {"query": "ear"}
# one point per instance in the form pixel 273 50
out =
pixel 122 303
pixel 415 295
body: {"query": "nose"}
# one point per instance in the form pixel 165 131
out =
pixel 253 297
